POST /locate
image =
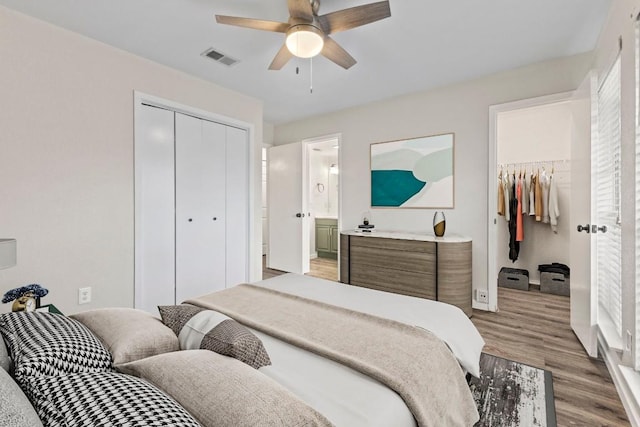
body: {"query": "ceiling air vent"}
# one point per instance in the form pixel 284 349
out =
pixel 220 57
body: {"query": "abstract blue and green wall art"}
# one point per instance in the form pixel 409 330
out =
pixel 413 173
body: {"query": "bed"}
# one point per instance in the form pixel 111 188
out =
pixel 348 397
pixel 335 389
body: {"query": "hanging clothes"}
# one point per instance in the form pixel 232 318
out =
pixel 500 196
pixel 554 210
pixel 519 225
pixel 507 199
pixel 514 245
pixel 538 198
pixel 532 200
pixel 544 183
pixel 525 194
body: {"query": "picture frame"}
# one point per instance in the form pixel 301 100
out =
pixel 414 173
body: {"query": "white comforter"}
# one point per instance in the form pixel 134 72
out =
pixel 347 397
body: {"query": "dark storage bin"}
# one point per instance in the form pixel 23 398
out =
pixel 554 283
pixel 513 278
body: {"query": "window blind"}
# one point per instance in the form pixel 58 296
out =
pixel 606 168
pixel 637 191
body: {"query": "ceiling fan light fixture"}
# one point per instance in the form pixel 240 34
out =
pixel 305 40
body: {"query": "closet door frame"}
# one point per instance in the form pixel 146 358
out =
pixel 492 197
pixel 140 99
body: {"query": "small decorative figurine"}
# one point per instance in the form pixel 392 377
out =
pixel 25 298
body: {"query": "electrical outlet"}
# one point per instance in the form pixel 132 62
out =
pixel 84 295
pixel 629 342
pixel 482 296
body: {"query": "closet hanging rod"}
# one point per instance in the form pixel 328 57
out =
pixel 539 162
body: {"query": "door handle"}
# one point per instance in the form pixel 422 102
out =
pixel 299 215
pixel 584 228
pixel 595 229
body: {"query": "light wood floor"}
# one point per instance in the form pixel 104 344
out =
pixel 323 268
pixel 533 328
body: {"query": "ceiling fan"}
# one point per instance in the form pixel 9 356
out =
pixel 308 33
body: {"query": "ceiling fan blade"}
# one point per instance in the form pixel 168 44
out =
pixel 300 9
pixel 334 52
pixel 282 57
pixel 256 24
pixel 353 17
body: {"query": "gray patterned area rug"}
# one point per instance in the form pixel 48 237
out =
pixel 512 394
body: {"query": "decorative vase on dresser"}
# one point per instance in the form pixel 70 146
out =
pixel 439 223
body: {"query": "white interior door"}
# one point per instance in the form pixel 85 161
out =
pixel 237 206
pixel 200 207
pixel 288 213
pixel 154 209
pixel 583 293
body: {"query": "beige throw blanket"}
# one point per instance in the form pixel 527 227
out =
pixel 411 361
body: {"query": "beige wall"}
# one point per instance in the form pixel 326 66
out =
pixel 462 108
pixel 66 147
pixel 267 133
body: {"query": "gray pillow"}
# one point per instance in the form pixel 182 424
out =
pixel 198 328
pixel 5 359
pixel 223 392
pixel 129 334
pixel 15 408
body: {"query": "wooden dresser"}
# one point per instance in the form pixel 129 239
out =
pixel 419 265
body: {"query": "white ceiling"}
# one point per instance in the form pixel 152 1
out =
pixel 424 44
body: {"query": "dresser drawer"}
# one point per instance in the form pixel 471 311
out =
pixel 393 244
pixel 415 284
pixel 419 257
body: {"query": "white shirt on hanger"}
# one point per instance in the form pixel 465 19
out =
pixel 554 210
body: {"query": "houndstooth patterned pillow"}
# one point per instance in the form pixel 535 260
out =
pixel 103 399
pixel 52 344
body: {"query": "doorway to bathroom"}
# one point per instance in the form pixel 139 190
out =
pixel 303 183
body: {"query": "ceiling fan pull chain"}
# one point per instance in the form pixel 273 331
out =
pixel 310 75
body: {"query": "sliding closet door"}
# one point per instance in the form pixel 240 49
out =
pixel 200 207
pixel 237 202
pixel 154 204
